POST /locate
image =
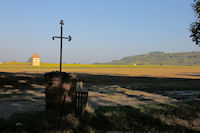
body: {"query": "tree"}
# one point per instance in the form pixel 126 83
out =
pixel 195 26
pixel 29 59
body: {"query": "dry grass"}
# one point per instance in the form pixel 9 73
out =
pixel 174 118
pixel 164 117
pixel 171 72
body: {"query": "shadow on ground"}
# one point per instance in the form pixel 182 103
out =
pixel 121 118
pixel 175 116
pixel 189 74
pixel 22 81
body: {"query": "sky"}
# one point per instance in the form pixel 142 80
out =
pixel 101 30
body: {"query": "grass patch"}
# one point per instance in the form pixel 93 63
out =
pixel 177 117
pixel 5 95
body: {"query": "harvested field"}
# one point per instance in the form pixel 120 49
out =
pixel 153 103
pixel 170 72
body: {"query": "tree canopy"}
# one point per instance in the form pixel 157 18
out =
pixel 195 26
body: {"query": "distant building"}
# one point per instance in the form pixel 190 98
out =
pixel 35 60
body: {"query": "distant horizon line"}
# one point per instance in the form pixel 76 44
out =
pixel 105 62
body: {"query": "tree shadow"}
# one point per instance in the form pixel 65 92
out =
pixel 150 83
pixel 106 84
pixel 126 118
pixel 119 118
pixel 190 74
pixel 104 119
pixel 22 81
pixel 17 84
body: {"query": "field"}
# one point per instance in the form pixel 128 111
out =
pixel 128 70
pixel 121 98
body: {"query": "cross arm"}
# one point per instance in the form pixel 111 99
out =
pixel 69 38
pixel 55 37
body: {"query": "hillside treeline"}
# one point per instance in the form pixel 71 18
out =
pixel 161 58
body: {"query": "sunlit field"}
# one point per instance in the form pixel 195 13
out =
pixel 128 70
pixel 53 65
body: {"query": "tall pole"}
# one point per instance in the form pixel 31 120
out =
pixel 61 49
pixel 61 37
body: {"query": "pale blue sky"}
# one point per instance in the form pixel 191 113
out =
pixel 101 30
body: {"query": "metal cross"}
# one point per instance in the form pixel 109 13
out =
pixel 61 37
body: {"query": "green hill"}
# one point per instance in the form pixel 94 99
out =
pixel 161 58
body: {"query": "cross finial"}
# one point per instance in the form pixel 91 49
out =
pixel 61 22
